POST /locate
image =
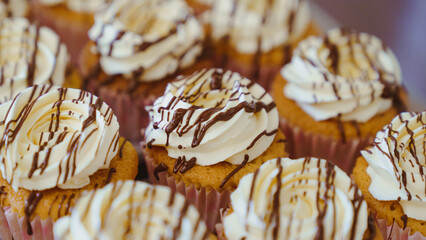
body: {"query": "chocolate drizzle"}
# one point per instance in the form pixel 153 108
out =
pixel 371 227
pixel 147 44
pixel 394 152
pixel 30 39
pixel 325 193
pixel 266 19
pixel 135 212
pixel 30 206
pixel 238 168
pixel 200 119
pixel 160 168
pixel 182 165
pixel 120 151
pixel 2 193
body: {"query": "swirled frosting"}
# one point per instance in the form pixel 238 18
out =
pixel 131 210
pixel 55 137
pixel 254 24
pixel 14 8
pixel 29 55
pixel 146 39
pixel 397 164
pixel 344 73
pixel 213 116
pixel 296 199
pixel 83 6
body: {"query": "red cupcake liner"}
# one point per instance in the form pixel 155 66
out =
pixel 14 227
pixel 263 74
pixel 4 227
pixel 394 232
pixel 302 144
pixel 73 34
pixel 129 110
pixel 207 201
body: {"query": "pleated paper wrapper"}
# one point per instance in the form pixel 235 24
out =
pixel 14 227
pixel 207 201
pixel 302 144
pixel 395 232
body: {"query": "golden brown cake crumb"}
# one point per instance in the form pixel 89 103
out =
pixel 57 202
pixel 212 176
pixel 389 210
pixel 290 111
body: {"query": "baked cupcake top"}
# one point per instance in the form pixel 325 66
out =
pixel 131 210
pixel 213 116
pixel 397 164
pixel 55 137
pixel 146 40
pixel 306 198
pixel 80 6
pixel 253 25
pixel 29 55
pixel 14 8
pixel 344 74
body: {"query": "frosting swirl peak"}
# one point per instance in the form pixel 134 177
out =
pixel 146 39
pixel 29 55
pixel 55 137
pixel 205 117
pixel 344 73
pixel 397 164
pixel 131 210
pixel 296 199
pixel 250 23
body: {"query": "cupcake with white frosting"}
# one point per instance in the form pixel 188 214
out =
pixel 336 93
pixel 256 37
pixel 136 48
pixel 31 54
pixel 132 210
pixel 207 131
pixel 392 176
pixel 306 198
pixel 56 143
pixel 71 19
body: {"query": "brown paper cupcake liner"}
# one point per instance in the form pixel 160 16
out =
pixel 207 201
pixel 263 74
pixel 4 227
pixel 303 144
pixel 129 110
pixel 15 227
pixel 394 232
pixel 73 34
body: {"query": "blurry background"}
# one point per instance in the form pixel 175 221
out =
pixel 401 24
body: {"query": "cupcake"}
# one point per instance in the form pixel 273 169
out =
pixel 30 55
pixel 136 47
pixel 56 143
pixel 392 176
pixel 255 37
pixel 132 210
pixel 71 19
pixel 306 198
pixel 207 131
pixel 14 8
pixel 336 93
